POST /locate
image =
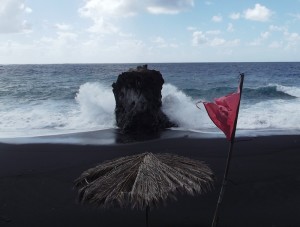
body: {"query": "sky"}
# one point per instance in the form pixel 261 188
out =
pixel 148 31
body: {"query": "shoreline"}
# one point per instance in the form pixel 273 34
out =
pixel 36 181
pixel 114 136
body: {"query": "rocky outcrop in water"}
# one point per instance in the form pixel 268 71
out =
pixel 138 101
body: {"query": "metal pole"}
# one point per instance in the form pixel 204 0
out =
pixel 224 183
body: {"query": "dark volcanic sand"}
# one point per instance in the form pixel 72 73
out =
pixel 36 183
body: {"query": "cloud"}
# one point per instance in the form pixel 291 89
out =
pixel 258 13
pixel 105 14
pixel 295 16
pixel 12 16
pixel 261 39
pixel 265 35
pixel 63 26
pixel 103 26
pixel 191 28
pixel 230 27
pixel 199 38
pixel 167 6
pixel 292 39
pixel 162 43
pixel 217 18
pixel 96 9
pixel 275 45
pixel 235 16
pixel 208 3
pixel 59 48
pixel 217 42
pixel 213 32
pixel 275 28
pixel 212 38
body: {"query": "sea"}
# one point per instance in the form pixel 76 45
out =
pixel 55 99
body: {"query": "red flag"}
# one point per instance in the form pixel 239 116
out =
pixel 224 110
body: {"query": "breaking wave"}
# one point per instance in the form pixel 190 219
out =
pixel 93 109
pixel 271 91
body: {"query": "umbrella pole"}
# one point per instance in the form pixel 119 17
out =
pixel 147 216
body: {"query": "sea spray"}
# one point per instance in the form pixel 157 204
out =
pixel 182 109
pixel 97 105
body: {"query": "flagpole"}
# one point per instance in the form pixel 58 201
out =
pixel 224 183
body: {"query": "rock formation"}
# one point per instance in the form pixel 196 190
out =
pixel 138 101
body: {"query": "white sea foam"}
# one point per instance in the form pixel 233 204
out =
pixel 272 114
pixel 97 104
pixel 36 119
pixel 182 109
pixel 93 109
pixel 293 91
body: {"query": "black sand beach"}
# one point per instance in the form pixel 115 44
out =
pixel 36 183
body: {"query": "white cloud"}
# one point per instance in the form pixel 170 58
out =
pixel 217 18
pixel 258 13
pixel 159 41
pixel 161 10
pixel 103 27
pixel 213 32
pixel 275 45
pixel 217 42
pixel 234 42
pixel 198 38
pixel 235 16
pixel 265 35
pixel 63 26
pixel 167 6
pixel 96 9
pixel 275 28
pixel 69 47
pixel 261 39
pixel 12 16
pixel 286 39
pixel 106 13
pixel 212 38
pixel 295 16
pixel 60 48
pixel 256 42
pixel 208 3
pixel 230 27
pixel 292 39
pixel 60 42
pixel 191 28
pixel 162 43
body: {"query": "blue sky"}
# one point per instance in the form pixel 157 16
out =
pixel 121 31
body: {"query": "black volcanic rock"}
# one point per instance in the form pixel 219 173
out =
pixel 138 101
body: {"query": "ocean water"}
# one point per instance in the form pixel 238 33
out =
pixel 40 100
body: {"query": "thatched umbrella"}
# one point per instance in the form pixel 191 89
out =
pixel 142 181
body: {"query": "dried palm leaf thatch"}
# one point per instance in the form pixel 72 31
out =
pixel 143 180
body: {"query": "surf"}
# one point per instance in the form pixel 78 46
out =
pixel 92 108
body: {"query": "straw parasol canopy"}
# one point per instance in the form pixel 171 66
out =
pixel 142 181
